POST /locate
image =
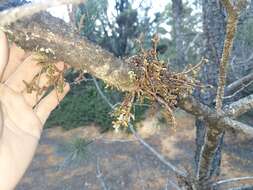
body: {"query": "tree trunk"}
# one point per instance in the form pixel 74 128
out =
pixel 214 32
pixel 177 10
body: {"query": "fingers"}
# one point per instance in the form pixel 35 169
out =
pixel 4 53
pixel 19 115
pixel 17 55
pixel 25 72
pixel 49 103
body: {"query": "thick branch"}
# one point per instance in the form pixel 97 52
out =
pixel 47 32
pixel 11 15
pixel 236 125
pixel 240 107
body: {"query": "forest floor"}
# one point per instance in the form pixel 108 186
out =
pixel 117 161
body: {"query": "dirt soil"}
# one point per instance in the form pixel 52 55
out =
pixel 117 161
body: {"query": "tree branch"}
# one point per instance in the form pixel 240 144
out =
pixel 240 107
pixel 233 87
pixel 45 31
pixel 101 93
pixel 100 175
pixel 245 187
pixel 221 182
pixel 159 156
pixel 228 44
pixel 12 15
pixel 236 125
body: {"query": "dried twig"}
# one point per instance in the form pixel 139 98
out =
pixel 239 84
pixel 174 185
pixel 100 176
pixel 101 93
pixel 177 171
pixel 221 182
pixel 242 88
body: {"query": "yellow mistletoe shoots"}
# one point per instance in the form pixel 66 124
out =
pixel 156 83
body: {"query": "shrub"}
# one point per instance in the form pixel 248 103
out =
pixel 84 105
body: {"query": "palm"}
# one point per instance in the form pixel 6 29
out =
pixel 22 114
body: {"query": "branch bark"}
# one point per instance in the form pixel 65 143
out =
pixel 228 44
pixel 45 31
pixel 11 15
pixel 214 129
pixel 240 107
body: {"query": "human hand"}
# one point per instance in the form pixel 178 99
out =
pixel 22 115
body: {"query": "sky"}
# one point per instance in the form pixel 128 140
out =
pixel 157 6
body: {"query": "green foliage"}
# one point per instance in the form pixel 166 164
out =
pixel 190 28
pixel 91 11
pixel 84 105
pixel 77 148
pixel 76 151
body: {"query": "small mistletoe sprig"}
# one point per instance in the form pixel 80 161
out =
pixel 55 77
pixel 122 113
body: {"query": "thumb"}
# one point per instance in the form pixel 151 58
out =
pixel 4 53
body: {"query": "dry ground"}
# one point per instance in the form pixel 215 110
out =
pixel 124 164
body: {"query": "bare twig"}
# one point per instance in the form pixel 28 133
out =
pixel 11 15
pixel 178 171
pixel 244 81
pixel 221 182
pixel 100 175
pixel 174 185
pixel 203 61
pixel 101 93
pixel 192 43
pixel 243 87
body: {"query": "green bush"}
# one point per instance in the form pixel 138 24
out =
pixel 83 105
